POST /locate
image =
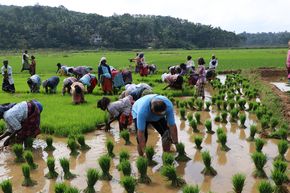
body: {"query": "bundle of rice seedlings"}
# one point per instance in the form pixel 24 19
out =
pixel 169 172
pixel 129 184
pixel 199 104
pixel 265 187
pixel 110 148
pixel 193 125
pixel 82 142
pixel 259 144
pixel 234 114
pixel 149 151
pixel 49 146
pixel 70 189
pixel 124 155
pixel 281 133
pixel 105 164
pixel 18 151
pixel 181 153
pixel 106 120
pixel 253 131
pixel 242 120
pixel 167 158
pixel 225 105
pixel 265 122
pixel 64 163
pixel 142 165
pixel 208 127
pixel 260 112
pixel 224 115
pixel 126 136
pixel 72 144
pixel 207 104
pixel 197 118
pixel 218 104
pixel 238 181
pixel 255 106
pixel 28 143
pixel 125 167
pixel 6 186
pixel 282 149
pixel 279 178
pixel 242 103
pixel 189 117
pixel 232 104
pixel 259 160
pixel 190 104
pixel 198 141
pixel 213 100
pixel 60 187
pixel 192 100
pixel 182 114
pixel 208 170
pixel 217 118
pixel 190 189
pixel 92 178
pixel 181 104
pixel 177 103
pixel 52 174
pixel 251 105
pixel 26 173
pixel 222 137
pixel 29 159
pixel 220 130
pixel 280 165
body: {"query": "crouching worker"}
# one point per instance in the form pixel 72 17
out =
pixel 34 83
pixel 77 92
pixel 67 84
pixel 90 81
pixel 119 110
pixel 22 120
pixel 50 84
pixel 174 81
pixel 158 111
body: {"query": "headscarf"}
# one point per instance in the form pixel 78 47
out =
pixel 102 59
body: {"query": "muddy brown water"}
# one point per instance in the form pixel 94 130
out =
pixel 226 163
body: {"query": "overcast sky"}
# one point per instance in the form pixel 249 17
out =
pixel 232 15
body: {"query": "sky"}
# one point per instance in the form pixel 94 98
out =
pixel 233 15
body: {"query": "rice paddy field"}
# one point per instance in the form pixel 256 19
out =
pixel 239 134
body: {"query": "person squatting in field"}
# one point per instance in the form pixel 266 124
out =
pixel 174 81
pixel 136 91
pixel 105 76
pixel 22 120
pixel 90 81
pixel 67 82
pixel 8 82
pixel 288 62
pixel 77 92
pixel 158 111
pixel 201 78
pixel 119 110
pixel 34 83
pixel 50 84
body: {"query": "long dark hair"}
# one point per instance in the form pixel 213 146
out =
pixel 103 103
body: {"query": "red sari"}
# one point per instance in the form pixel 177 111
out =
pixel 107 85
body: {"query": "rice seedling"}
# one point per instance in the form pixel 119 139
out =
pixel 126 136
pixel 281 133
pixel 264 122
pixel 279 178
pixel 220 130
pixel 124 155
pixel 207 104
pixel 181 153
pixel 232 104
pixel 253 131
pixel 208 127
pixel 225 105
pixel 282 149
pixel 255 106
pixel 49 146
pixel 82 142
pixel 92 178
pixel 149 151
pixel 259 160
pixel 72 144
pixel 26 173
pixel 60 187
pixel 52 174
pixel 18 151
pixel 273 123
pixel 265 187
pixel 189 117
pixel 190 189
pixel 28 143
pixel 238 181
pixel 198 141
pixel 142 165
pixel 193 125
pixel 177 103
pixel 105 164
pixel 242 118
pixel 190 104
pixel 125 167
pixel 217 118
pixel 280 165
pixel 197 118
pixel 222 137
pixel 167 158
pixel 242 103
pixel 234 114
pixel 208 170
pixel 6 186
pixel 29 159
pixel 169 172
pixel 213 100
pixel 70 189
pixel 219 103
pixel 110 148
pixel 259 143
pixel 182 114
pixel 251 105
pixel 129 184
pixel 259 113
pixel 199 104
pixel 224 115
pixel 64 163
pixel 181 104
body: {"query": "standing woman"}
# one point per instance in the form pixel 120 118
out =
pixel 201 78
pixel 32 66
pixel 25 62
pixel 8 82
pixel 288 62
pixel 105 76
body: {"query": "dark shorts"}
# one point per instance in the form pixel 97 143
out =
pixel 161 126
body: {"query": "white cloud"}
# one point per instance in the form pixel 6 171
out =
pixel 232 15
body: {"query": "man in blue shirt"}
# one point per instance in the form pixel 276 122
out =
pixel 158 111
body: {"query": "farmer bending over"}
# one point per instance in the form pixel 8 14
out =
pixel 34 83
pixel 50 84
pixel 156 110
pixel 77 92
pixel 67 84
pixel 90 81
pixel 174 81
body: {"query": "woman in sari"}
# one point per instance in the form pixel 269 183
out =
pixel 105 76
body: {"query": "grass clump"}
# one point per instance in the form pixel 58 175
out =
pixel 28 143
pixel 167 159
pixel 190 189
pixel 169 172
pixel 208 170
pixel 49 146
pixel 199 104
pixel 193 125
pixel 70 189
pixel 242 103
pixel 208 127
pixel 273 123
pixel 217 118
pixel 281 133
pixel 242 118
pixel 149 151
pixel 218 104
pixel 265 122
pixel 253 131
pixel 265 187
pixel 222 138
pixel 224 115
pixel 125 167
pixel 142 165
pixel 259 143
pixel 82 142
pixel 73 146
pixel 64 163
pixel 238 181
pixel 60 187
pixel 129 184
pixel 197 118
pixel 232 104
pixel 26 173
pixel 126 136
pixel 105 164
pixel 6 186
pixel 279 179
pixel 29 159
pixel 182 114
pixel 207 104
pixel 234 114
pixel 198 141
pixel 259 160
pixel 189 117
pixel 52 174
pixel 282 149
pixel 280 165
pixel 181 153
pixel 18 151
pixel 92 178
pixel 110 148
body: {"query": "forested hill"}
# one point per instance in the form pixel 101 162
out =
pixel 56 27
